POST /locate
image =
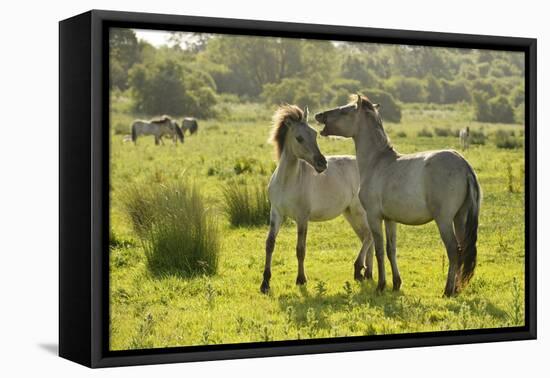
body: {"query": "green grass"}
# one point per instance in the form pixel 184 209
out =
pixel 151 310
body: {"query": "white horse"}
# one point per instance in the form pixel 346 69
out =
pixel 159 128
pixel 410 189
pixel 307 187
pixel 464 136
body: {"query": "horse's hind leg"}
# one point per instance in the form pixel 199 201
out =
pixel 449 239
pixel 391 251
pixel 301 279
pixel 358 221
pixel 274 225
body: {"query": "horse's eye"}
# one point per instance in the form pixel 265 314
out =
pixel 300 139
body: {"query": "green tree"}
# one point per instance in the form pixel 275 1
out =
pixel 389 108
pixel 355 67
pixel 172 87
pixel 455 91
pixel 434 90
pixel 501 110
pixel 124 52
pixel 481 106
pixel 406 89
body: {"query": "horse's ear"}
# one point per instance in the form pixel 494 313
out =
pixel 306 113
pixel 359 102
pixel 376 106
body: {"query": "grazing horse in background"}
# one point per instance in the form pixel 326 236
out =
pixel 163 126
pixel 191 124
pixel 307 187
pixel 464 136
pixel 410 189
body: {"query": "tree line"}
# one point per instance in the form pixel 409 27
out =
pixel 196 71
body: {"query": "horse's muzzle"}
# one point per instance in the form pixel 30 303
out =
pixel 320 117
pixel 320 164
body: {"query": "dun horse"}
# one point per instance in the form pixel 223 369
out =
pixel 307 187
pixel 159 128
pixel 191 124
pixel 410 189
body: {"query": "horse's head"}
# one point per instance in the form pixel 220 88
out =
pixel 345 120
pixel 302 139
pixel 291 131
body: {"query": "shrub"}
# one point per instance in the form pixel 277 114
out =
pixel 246 205
pixel 179 234
pixel 425 133
pixel 477 137
pixel 401 134
pixel 506 140
pixel 441 132
pixel 389 108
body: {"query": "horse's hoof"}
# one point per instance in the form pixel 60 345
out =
pixel 396 284
pixel 265 287
pixel 301 280
pixel 380 288
pixel 358 277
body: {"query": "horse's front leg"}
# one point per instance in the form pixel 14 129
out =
pixel 274 225
pixel 391 251
pixel 301 252
pixel 375 225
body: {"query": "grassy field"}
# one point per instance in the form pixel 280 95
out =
pixel 151 310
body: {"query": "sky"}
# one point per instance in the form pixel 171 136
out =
pixel 154 37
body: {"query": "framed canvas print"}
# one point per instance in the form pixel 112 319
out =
pixel 234 188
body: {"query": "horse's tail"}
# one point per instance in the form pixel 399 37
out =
pixel 134 133
pixel 469 249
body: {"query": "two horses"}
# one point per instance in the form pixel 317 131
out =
pixel 306 187
pixel 163 126
pixel 394 188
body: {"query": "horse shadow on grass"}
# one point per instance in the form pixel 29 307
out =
pixel 307 304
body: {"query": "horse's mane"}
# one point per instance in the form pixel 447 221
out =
pixel 279 128
pixel 161 119
pixel 372 111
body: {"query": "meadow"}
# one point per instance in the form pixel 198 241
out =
pixel 151 309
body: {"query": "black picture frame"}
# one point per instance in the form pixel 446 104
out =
pixel 84 183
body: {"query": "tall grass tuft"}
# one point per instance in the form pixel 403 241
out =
pixel 246 205
pixel 180 235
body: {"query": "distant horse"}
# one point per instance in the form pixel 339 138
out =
pixel 191 124
pixel 307 187
pixel 464 136
pixel 163 126
pixel 410 189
